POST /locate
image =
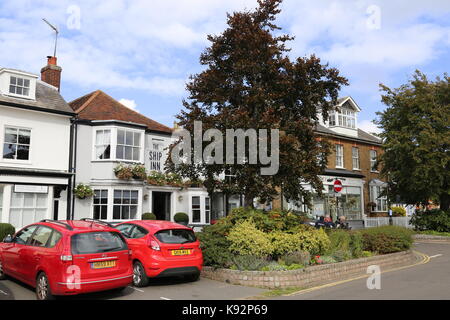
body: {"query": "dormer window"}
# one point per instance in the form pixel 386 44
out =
pixel 19 86
pixel 345 118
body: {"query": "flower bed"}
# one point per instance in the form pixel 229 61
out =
pixel 310 276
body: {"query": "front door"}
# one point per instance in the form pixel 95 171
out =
pixel 161 205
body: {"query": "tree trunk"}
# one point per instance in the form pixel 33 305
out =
pixel 248 202
pixel 444 201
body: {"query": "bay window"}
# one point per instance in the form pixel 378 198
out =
pixel 118 144
pixel 345 118
pixel 377 197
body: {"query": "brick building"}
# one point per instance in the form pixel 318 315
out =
pixel 353 161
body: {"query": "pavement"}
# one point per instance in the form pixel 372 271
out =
pixel 430 280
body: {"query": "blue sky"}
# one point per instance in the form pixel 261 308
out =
pixel 144 51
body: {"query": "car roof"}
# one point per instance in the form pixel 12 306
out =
pixel 157 225
pixel 75 226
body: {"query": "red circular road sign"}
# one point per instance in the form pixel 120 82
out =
pixel 337 186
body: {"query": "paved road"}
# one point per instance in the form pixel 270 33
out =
pixel 425 281
pixel 160 289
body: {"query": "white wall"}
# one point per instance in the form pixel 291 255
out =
pixel 50 136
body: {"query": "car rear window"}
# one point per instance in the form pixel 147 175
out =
pixel 97 242
pixel 176 236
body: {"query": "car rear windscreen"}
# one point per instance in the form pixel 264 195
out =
pixel 176 236
pixel 97 242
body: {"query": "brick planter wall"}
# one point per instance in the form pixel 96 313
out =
pixel 310 276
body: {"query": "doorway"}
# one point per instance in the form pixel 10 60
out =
pixel 161 205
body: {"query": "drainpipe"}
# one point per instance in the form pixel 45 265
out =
pixel 71 213
pixel 69 186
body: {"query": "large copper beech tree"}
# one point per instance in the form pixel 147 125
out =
pixel 250 82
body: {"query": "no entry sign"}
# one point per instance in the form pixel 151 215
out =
pixel 337 186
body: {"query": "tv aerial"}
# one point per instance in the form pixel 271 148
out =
pixel 56 34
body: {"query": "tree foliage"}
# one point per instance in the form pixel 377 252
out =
pixel 416 133
pixel 250 82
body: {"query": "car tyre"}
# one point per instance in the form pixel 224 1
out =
pixel 193 277
pixel 140 278
pixel 43 291
pixel 2 273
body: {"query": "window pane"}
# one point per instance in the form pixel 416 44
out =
pixel 41 237
pixel 120 137
pixel 12 89
pixel 24 136
pixel 120 152
pixel 128 153
pixel 41 200
pixel 26 91
pixel 97 212
pixel 11 135
pixel 23 152
pixel 9 151
pixel 116 212
pixel 134 197
pixel 133 212
pixel 18 90
pixel 26 83
pixel 137 139
pixel 13 80
pixel 136 154
pixel 20 82
pixel 129 138
pixel 28 200
pixel 117 196
pixel 125 212
pixel 99 137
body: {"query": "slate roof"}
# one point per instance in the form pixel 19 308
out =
pixel 47 97
pixel 98 105
pixel 362 135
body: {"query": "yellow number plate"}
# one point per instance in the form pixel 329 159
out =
pixel 181 252
pixel 103 264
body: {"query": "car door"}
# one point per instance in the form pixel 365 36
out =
pixel 12 252
pixel 134 235
pixel 36 252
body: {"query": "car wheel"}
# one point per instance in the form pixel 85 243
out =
pixel 43 291
pixel 193 277
pixel 2 273
pixel 140 278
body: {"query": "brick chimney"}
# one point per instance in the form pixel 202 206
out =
pixel 51 73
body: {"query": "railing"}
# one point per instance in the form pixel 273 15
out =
pixel 384 221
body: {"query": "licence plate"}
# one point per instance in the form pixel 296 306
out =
pixel 181 252
pixel 103 264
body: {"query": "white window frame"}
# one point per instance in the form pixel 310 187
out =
pixel 21 207
pixel 114 133
pixel 19 86
pixel 103 143
pixel 355 157
pixel 3 136
pixel 202 209
pixel 346 118
pixel 381 202
pixel 373 162
pixel 110 210
pixel 339 150
pixel 100 204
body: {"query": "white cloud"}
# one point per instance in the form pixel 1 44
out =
pixel 129 104
pixel 368 126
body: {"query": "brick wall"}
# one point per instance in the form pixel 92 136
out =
pixel 310 276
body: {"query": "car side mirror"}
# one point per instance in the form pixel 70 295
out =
pixel 8 239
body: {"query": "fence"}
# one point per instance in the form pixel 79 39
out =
pixel 384 221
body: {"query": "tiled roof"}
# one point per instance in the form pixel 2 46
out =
pixel 362 135
pixel 98 105
pixel 47 97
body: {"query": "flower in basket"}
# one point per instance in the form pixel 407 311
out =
pixel 123 172
pixel 83 191
pixel 139 171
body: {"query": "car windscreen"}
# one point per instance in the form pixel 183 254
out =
pixel 97 242
pixel 176 236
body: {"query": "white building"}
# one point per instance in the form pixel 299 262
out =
pixel 108 134
pixel 35 129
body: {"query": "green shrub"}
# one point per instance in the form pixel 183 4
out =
pixel 283 243
pixel 274 266
pixel 215 247
pixel 148 216
pixel 295 266
pixel 435 220
pixel 181 217
pixel 314 241
pixel 328 259
pixel 398 212
pixel 341 255
pixel 298 257
pixel 339 240
pixel 249 263
pixel 387 239
pixel 6 229
pixel 246 239
pixel 356 244
pixel 367 254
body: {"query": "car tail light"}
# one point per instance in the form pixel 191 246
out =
pixel 66 258
pixel 152 243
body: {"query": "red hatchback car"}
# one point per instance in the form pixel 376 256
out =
pixel 67 257
pixel 162 249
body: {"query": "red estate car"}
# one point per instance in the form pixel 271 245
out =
pixel 67 257
pixel 162 249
